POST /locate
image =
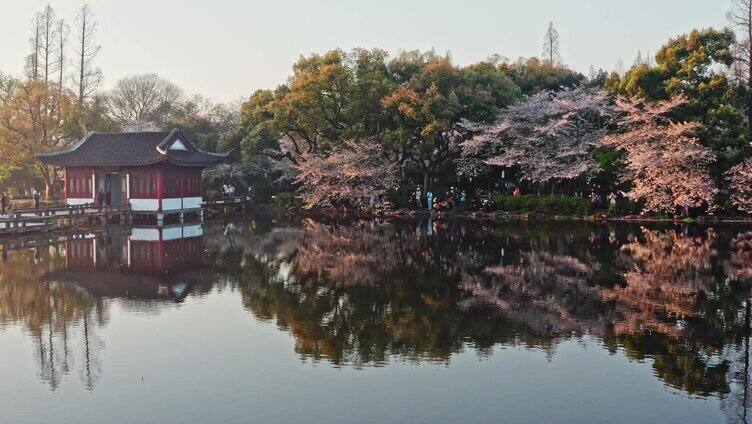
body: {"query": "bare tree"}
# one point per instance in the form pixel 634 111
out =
pixel 551 52
pixel 47 41
pixel 46 62
pixel 620 68
pixel 740 17
pixel 62 39
pixel 638 59
pixel 32 60
pixel 143 98
pixel 87 77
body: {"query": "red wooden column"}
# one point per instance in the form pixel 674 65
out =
pixel 199 190
pixel 67 185
pixel 160 185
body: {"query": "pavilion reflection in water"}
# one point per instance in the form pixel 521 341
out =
pixel 64 293
pixel 147 263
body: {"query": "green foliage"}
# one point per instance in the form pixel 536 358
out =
pixel 534 75
pixel 203 122
pixel 212 193
pixel 287 200
pixel 255 133
pixel 609 165
pixel 484 89
pixel 643 81
pixel 726 206
pixel 598 79
pixel 625 206
pixel 547 205
pixel 401 196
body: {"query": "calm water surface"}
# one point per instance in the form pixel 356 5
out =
pixel 378 321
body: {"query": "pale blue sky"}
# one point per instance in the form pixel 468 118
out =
pixel 225 49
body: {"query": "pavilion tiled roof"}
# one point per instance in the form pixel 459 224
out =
pixel 132 149
pixel 126 283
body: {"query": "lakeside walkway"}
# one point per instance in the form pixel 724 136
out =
pixel 51 218
pixel 21 221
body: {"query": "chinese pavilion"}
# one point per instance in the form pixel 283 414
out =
pixel 153 172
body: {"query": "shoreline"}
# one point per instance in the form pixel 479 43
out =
pixel 497 216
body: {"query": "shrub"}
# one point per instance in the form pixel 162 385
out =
pixel 401 196
pixel 549 205
pixel 211 193
pixel 625 206
pixel 287 200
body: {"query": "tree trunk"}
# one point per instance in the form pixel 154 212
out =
pixel 749 65
pixel 48 176
pixel 426 180
pixel 81 65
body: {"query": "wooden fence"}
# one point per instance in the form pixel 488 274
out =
pixel 44 219
pixel 49 218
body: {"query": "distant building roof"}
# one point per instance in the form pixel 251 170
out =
pixel 133 149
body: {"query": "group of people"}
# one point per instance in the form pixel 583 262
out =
pixel 601 201
pixel 450 200
pixel 228 190
pixel 103 199
pixel 36 197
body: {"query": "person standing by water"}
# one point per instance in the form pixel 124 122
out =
pixel 35 197
pixel 4 203
pixel 612 202
pixel 100 197
pixel 418 196
pixel 429 200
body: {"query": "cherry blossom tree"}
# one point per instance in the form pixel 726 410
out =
pixel 353 175
pixel 552 136
pixel 740 184
pixel 665 161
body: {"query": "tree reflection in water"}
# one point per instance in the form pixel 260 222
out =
pixel 364 293
pixel 63 321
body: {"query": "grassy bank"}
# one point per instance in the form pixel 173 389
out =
pixel 506 208
pixel 545 205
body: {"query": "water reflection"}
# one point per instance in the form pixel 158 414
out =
pixel 365 293
pixel 61 320
pixel 143 263
pixel 362 293
pixel 61 293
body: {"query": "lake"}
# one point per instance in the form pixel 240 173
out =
pixel 419 321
